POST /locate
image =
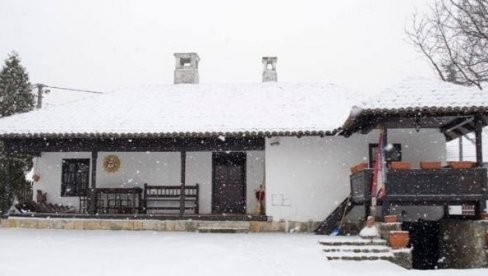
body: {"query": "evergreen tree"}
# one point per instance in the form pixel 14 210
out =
pixel 15 88
pixel 15 97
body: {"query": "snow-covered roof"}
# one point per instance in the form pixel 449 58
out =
pixel 189 109
pixel 271 108
pixel 414 93
pixel 422 97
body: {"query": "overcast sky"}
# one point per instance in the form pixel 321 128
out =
pixel 103 45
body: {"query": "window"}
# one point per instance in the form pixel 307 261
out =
pixel 185 62
pixel 393 154
pixel 75 177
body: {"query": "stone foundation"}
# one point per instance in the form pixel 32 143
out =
pixel 463 244
pixel 155 225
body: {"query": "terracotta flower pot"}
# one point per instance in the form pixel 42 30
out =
pixel 390 218
pixel 461 164
pixel 398 239
pixel 430 165
pixel 484 216
pixel 359 167
pixel 401 165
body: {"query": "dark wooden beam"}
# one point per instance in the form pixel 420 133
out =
pixel 36 145
pixel 183 180
pixel 7 184
pixel 92 194
pixel 479 140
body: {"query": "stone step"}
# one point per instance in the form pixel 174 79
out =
pixel 354 242
pixel 222 230
pixel 358 250
pixel 359 258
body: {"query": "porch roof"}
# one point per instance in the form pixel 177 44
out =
pixel 422 103
pixel 193 110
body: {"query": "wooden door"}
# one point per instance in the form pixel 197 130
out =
pixel 229 183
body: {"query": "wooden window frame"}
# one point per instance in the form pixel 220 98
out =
pixel 372 146
pixel 78 191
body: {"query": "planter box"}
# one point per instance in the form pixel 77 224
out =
pixel 461 164
pixel 390 218
pixel 430 165
pixel 401 165
pixel 359 167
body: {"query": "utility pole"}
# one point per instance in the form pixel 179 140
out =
pixel 40 87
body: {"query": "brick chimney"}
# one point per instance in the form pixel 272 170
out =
pixel 269 69
pixel 186 68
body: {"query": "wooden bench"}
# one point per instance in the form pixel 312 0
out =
pixel 158 194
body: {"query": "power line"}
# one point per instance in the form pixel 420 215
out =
pixel 76 90
pixel 41 90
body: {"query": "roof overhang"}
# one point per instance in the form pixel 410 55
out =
pixel 452 121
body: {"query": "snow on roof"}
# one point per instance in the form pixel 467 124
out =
pixel 189 109
pixel 422 92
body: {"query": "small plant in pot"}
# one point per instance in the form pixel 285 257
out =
pixel 398 239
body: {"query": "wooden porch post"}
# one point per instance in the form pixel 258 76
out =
pixel 182 187
pixel 385 206
pixel 479 142
pixel 92 208
pixel 8 184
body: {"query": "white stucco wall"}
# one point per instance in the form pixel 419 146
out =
pixel 307 177
pixel 49 168
pixel 153 168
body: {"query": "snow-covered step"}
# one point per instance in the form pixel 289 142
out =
pixel 360 249
pixel 223 230
pixel 359 258
pixel 353 241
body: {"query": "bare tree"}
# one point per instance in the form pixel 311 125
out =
pixel 454 38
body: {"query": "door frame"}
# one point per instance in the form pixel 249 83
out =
pixel 244 178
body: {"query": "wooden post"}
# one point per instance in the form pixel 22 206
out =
pixel 479 140
pixel 385 206
pixel 8 185
pixel 182 187
pixel 92 208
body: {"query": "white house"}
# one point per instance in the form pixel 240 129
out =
pixel 297 141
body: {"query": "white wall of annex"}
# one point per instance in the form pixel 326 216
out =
pixel 306 178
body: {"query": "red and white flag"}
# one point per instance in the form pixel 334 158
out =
pixel 378 183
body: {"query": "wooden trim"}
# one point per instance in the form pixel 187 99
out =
pixel 8 184
pixel 36 145
pixel 92 208
pixel 182 180
pixel 479 140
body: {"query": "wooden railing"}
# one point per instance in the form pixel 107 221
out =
pixel 119 200
pixel 166 197
pixel 419 186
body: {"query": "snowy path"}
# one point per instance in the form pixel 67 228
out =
pixel 62 252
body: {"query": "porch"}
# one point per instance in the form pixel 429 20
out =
pixel 145 178
pixel 445 188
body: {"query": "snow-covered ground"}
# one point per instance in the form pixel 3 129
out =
pixel 62 252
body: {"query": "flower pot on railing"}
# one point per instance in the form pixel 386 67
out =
pixel 484 216
pixel 398 239
pixel 430 165
pixel 359 167
pixel 390 218
pixel 401 165
pixel 461 164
